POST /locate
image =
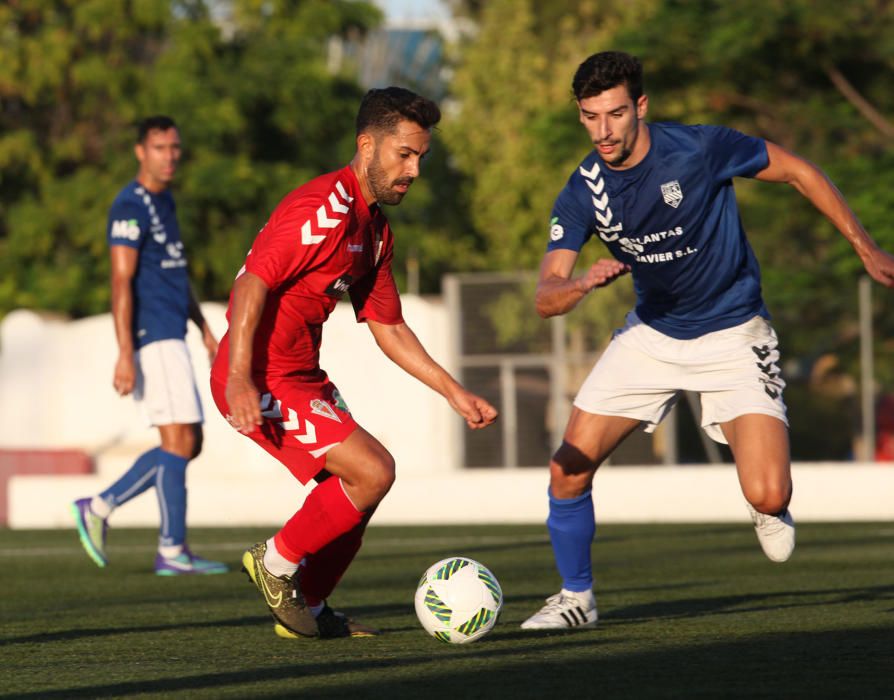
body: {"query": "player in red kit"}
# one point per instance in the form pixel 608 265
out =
pixel 327 238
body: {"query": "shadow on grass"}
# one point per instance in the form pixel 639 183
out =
pixel 73 635
pixel 840 664
pixel 297 671
pixel 738 604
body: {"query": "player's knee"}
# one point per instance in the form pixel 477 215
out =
pixel 183 441
pixel 571 472
pixel 570 483
pixel 372 477
pixel 572 462
pixel 381 477
pixel 769 497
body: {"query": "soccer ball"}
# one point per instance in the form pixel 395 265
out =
pixel 458 600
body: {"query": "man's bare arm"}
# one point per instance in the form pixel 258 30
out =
pixel 124 261
pixel 813 184
pixel 249 297
pixel 558 293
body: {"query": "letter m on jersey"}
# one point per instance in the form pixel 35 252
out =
pixel 311 230
pixel 129 229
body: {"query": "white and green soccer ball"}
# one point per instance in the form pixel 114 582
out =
pixel 458 600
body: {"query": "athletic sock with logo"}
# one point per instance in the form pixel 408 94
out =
pixel 326 515
pixel 322 571
pixel 132 483
pixel 572 526
pixel 170 486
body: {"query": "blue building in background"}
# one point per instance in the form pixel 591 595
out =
pixel 407 51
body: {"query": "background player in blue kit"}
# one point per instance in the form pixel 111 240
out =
pixel 151 302
pixel 660 197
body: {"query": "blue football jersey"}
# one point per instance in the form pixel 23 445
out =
pixel 673 218
pixel 148 222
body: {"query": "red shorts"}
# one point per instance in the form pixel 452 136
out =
pixel 303 420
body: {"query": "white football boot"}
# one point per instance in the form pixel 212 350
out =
pixel 565 610
pixel 776 533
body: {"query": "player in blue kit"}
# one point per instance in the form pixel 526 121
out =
pixel 661 198
pixel 151 302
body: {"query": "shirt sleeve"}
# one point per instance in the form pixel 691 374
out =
pixel 569 225
pixel 289 244
pixel 374 296
pixel 731 153
pixel 128 225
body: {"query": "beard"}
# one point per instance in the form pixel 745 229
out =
pixel 380 185
pixel 621 157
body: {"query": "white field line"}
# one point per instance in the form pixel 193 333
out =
pixel 374 545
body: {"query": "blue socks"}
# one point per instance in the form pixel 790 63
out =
pixel 170 486
pixel 134 481
pixel 165 471
pixel 572 526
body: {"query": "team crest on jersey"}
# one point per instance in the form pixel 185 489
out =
pixel 672 193
pixel 321 408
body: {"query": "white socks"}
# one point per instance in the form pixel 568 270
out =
pixel 100 507
pixel 170 551
pixel 276 563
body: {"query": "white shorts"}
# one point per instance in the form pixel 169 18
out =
pixel 166 388
pixel 642 372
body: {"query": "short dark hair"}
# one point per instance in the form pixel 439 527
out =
pixel 603 71
pixel 158 121
pixel 381 109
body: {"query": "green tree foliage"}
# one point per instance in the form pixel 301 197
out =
pixel 258 109
pixel 517 139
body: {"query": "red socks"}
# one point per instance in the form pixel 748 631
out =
pixel 326 515
pixel 322 571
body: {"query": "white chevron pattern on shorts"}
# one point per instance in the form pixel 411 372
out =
pixel 293 422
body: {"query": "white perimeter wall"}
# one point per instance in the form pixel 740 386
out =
pixel 55 392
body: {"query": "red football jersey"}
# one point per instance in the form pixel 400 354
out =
pixel 321 241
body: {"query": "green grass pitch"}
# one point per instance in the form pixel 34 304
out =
pixel 686 611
